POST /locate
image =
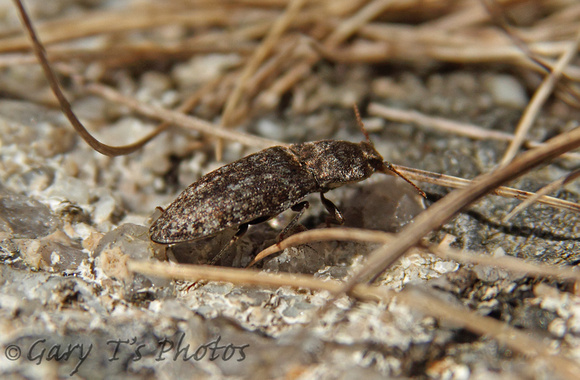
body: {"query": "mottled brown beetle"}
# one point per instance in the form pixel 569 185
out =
pixel 262 185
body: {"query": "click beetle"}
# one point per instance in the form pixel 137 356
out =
pixel 260 186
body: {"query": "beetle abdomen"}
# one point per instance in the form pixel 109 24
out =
pixel 260 185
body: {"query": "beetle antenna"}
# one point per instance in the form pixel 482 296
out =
pixel 389 166
pixel 386 165
pixel 361 125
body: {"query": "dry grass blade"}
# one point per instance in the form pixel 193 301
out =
pixel 259 56
pixel 123 55
pixel 538 99
pixel 142 17
pixel 243 277
pixel 437 123
pixel 351 25
pixel 448 126
pixel 542 192
pixel 508 192
pixel 8 60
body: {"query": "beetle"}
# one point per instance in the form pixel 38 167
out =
pixel 260 186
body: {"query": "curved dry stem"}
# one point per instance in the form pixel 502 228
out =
pixel 105 149
pixel 512 264
pixel 344 234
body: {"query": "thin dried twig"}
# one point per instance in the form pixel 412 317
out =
pixel 449 126
pixel 242 277
pixel 362 17
pixel 143 17
pixel 508 192
pixel 538 99
pixel 7 60
pixel 122 55
pixel 178 118
pixel 259 55
pixel 542 192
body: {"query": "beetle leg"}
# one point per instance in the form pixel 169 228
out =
pixel 260 220
pixel 299 208
pixel 335 214
pixel 241 231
